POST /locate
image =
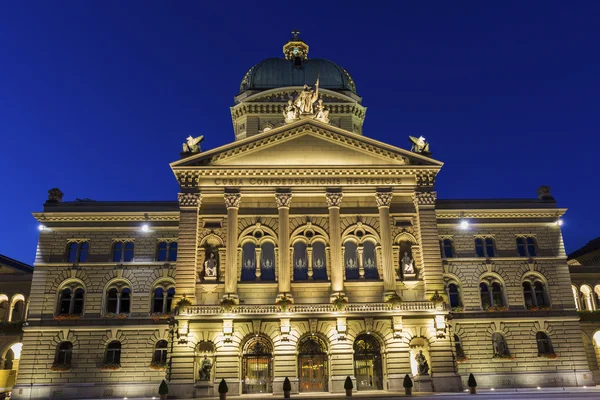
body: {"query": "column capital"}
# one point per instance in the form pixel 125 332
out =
pixel 333 199
pixel 424 198
pixel 232 200
pixel 383 199
pixel 284 200
pixel 189 199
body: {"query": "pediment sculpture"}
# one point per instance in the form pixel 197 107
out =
pixel 192 144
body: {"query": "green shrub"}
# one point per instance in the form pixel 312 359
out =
pixel 472 382
pixel 407 382
pixel 223 386
pixel 163 388
pixel 287 386
pixel 348 384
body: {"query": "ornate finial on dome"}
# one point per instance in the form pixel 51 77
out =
pixel 296 49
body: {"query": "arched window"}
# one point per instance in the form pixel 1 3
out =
pixel 78 301
pixel 576 298
pixel 166 251
pixel 586 301
pixel 454 295
pixel 484 292
pixel 118 300
pixel 300 262
pixel 160 352
pixel 319 260
pixel 447 248
pixel 528 295
pixel 369 261
pixel 497 294
pixel 64 306
pixel 248 262
pixel 540 294
pixel 460 353
pixel 351 260
pixel 499 345
pixel 267 262
pixel 17 311
pixel 71 302
pixel 162 300
pixel 8 359
pixel 64 352
pixel 3 309
pixel 544 344
pixel 113 353
pixel 77 251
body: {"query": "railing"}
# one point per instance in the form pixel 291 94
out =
pixel 412 306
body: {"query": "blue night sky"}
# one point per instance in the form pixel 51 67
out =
pixel 96 97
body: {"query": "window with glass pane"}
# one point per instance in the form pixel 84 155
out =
pixel 112 300
pixel 448 248
pixel 113 353
pixel 72 249
pixel 485 295
pixel 531 246
pixel 351 260
pixel 453 295
pixel 521 247
pixel 126 300
pixel 499 344
pixel 300 262
pixel 83 251
pixel 369 261
pixel 117 251
pixel 479 249
pixel 128 256
pixel 170 296
pixel 160 352
pixel 248 262
pixel 267 262
pixel 540 294
pixel 543 343
pixel 78 301
pixel 319 259
pixel 497 297
pixel 489 247
pixel 458 347
pixel 64 352
pixel 161 254
pixel 158 299
pixel 528 294
pixel 173 251
pixel 65 301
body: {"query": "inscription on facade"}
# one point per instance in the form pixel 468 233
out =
pixel 305 181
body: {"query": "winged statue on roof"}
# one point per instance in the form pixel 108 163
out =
pixel 419 145
pixel 192 144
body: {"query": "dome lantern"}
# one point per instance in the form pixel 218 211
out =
pixel 295 49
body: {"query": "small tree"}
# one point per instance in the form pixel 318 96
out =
pixel 408 383
pixel 223 386
pixel 287 386
pixel 163 389
pixel 472 382
pixel 348 384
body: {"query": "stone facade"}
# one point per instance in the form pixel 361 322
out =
pixel 308 251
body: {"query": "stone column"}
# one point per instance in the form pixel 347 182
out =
pixel 257 258
pixel 232 201
pixel 384 200
pixel 432 270
pixel 359 259
pixel 284 200
pixel 189 224
pixel 309 259
pixel 334 201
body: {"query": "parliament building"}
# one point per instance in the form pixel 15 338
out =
pixel 302 249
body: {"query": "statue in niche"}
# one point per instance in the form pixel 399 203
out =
pixel 290 112
pixel 422 365
pixel 407 264
pixel 210 267
pixel 322 113
pixel 205 369
pixel 192 145
pixel 307 97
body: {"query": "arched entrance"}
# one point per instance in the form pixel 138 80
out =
pixel 257 366
pixel 313 364
pixel 367 363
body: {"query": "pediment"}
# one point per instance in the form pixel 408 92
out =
pixel 306 143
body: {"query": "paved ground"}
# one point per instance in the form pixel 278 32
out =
pixel 550 393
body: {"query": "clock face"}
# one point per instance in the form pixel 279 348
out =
pixel 296 51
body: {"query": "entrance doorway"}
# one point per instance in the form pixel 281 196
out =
pixel 367 363
pixel 257 366
pixel 313 365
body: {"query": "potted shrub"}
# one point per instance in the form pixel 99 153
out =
pixel 163 390
pixel 223 389
pixel 183 303
pixel 348 386
pixel 287 388
pixel 408 384
pixel 472 384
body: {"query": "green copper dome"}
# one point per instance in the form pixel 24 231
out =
pixel 278 72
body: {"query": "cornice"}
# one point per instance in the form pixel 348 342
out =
pixel 47 217
pixel 501 213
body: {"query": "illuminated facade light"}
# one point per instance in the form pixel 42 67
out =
pixel 559 222
pixel 42 227
pixel 145 228
pixel 464 224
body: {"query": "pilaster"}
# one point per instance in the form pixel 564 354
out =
pixel 334 201
pixel 232 202
pixel 187 242
pixel 284 200
pixel 384 200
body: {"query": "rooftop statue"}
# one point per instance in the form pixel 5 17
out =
pixel 192 145
pixel 419 145
pixel 290 112
pixel 322 113
pixel 307 97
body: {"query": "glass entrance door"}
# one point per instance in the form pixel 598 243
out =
pixel 367 363
pixel 257 374
pixel 313 372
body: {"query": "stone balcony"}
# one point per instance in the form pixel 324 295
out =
pixel 353 308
